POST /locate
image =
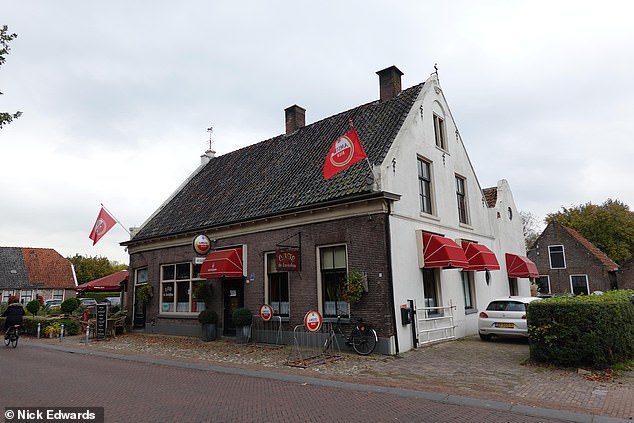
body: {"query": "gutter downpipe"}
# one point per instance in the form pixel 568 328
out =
pixel 390 281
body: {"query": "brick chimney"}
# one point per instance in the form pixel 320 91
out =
pixel 295 118
pixel 389 82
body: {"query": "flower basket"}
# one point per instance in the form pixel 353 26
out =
pixel 352 287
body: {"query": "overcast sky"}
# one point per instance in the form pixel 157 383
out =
pixel 117 96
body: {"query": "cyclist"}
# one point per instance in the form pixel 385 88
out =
pixel 13 314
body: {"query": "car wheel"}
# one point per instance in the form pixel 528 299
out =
pixel 485 337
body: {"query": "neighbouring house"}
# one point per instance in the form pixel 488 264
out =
pixel 412 219
pixel 570 264
pixel 30 272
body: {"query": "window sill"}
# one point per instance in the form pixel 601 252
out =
pixel 430 216
pixel 466 226
pixel 470 311
pixel 178 315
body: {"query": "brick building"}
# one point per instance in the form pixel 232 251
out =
pixel 412 219
pixel 569 263
pixel 30 272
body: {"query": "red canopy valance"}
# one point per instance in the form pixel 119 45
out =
pixel 520 267
pixel 114 282
pixel 480 257
pixel 439 251
pixel 223 263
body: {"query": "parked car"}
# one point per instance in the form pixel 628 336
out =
pixel 112 301
pixel 52 303
pixel 86 302
pixel 505 317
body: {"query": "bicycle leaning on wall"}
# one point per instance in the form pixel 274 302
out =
pixel 362 338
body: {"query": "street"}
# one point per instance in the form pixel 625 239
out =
pixel 149 389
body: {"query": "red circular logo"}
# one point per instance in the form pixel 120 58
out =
pixel 344 151
pixel 312 321
pixel 201 244
pixel 266 312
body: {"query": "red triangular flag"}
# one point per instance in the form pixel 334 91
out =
pixel 104 223
pixel 344 152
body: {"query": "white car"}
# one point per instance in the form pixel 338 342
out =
pixel 505 317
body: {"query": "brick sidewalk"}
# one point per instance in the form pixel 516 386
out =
pixel 468 367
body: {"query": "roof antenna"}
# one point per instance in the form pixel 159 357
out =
pixel 210 130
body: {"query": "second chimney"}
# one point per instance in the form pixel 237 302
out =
pixel 389 82
pixel 295 118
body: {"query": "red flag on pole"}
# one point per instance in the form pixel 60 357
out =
pixel 344 152
pixel 104 223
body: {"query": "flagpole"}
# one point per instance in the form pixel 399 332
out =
pixel 366 156
pixel 117 220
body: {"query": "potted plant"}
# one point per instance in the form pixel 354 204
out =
pixel 242 320
pixel 208 318
pixel 144 294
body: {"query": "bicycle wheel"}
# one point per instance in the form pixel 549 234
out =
pixel 364 340
pixel 7 339
pixel 14 339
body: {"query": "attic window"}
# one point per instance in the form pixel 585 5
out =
pixel 13 272
pixel 510 211
pixel 439 132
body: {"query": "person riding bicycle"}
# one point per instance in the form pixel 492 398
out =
pixel 13 314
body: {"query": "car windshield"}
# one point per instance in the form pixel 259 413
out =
pixel 506 306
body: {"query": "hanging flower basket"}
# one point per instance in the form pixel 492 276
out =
pixel 352 287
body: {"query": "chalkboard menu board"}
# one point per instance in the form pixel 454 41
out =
pixel 102 320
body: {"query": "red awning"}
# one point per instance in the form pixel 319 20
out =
pixel 439 251
pixel 222 263
pixel 110 283
pixel 520 267
pixel 479 257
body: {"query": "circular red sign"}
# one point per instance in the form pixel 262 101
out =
pixel 201 244
pixel 312 321
pixel 266 312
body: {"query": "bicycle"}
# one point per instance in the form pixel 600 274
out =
pixel 12 335
pixel 362 337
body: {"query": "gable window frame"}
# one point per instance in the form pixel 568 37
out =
pixel 440 133
pixel 557 256
pixel 277 288
pixel 575 281
pixel 461 197
pixel 425 185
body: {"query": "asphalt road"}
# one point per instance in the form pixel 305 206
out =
pixel 146 389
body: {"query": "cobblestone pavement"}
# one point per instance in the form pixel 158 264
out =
pixel 497 370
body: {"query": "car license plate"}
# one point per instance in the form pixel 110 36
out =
pixel 504 325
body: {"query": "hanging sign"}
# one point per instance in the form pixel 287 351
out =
pixel 201 244
pixel 266 312
pixel 312 321
pixel 287 260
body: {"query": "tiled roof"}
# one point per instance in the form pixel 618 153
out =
pixel 283 173
pixel 23 268
pixel 607 261
pixel 490 196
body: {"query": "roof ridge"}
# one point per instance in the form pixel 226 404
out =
pixel 596 251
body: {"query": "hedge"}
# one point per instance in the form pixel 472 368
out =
pixel 29 325
pixel 594 331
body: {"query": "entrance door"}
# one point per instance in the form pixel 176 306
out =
pixel 233 298
pixel 139 312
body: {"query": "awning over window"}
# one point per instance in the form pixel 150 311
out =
pixel 479 257
pixel 222 263
pixel 520 267
pixel 439 251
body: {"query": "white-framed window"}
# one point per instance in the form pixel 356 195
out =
pixel 439 132
pixel 178 282
pixel 543 284
pixel 26 295
pixel 557 256
pixel 6 294
pixel 141 276
pixel 276 289
pixel 333 269
pixel 425 186
pixel 58 294
pixel 461 195
pixel 468 289
pixel 579 284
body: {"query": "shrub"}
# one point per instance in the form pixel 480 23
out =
pixel 595 331
pixel 208 316
pixel 242 317
pixel 69 305
pixel 33 306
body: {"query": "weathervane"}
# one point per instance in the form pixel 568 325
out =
pixel 210 130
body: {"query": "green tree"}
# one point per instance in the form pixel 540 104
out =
pixel 90 268
pixel 529 226
pixel 610 226
pixel 5 38
pixel 33 306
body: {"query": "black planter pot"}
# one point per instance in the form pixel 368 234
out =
pixel 209 332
